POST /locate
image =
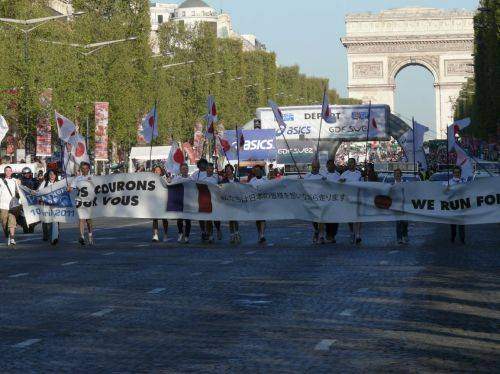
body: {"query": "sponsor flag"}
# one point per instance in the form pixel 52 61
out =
pixel 175 158
pixel 211 116
pixel 65 128
pixel 183 198
pixel 4 127
pixel 150 126
pixel 326 112
pixel 278 115
pixel 453 131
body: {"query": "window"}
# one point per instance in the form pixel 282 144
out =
pixel 160 19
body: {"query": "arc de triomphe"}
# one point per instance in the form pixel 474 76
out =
pixel 380 45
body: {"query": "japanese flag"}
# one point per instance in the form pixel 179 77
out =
pixel 4 128
pixel 150 126
pixel 76 153
pixel 278 115
pixel 65 128
pixel 175 159
pixel 453 131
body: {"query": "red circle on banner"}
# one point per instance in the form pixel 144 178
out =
pixel 60 122
pixel 151 121
pixel 383 202
pixel 80 149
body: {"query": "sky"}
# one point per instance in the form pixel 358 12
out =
pixel 307 33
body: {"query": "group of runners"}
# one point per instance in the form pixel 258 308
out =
pixel 211 231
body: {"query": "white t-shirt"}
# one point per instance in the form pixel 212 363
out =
pixel 199 175
pixel 455 181
pixel 42 185
pixel 332 177
pixel 5 195
pixel 78 179
pixel 312 176
pixel 180 179
pixel 351 176
pixel 257 182
pixel 213 179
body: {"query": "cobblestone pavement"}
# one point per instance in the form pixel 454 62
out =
pixel 129 306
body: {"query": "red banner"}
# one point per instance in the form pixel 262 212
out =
pixel 101 131
pixel 43 127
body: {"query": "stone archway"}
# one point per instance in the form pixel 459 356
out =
pixel 380 45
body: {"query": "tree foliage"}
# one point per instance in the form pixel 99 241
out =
pixel 130 78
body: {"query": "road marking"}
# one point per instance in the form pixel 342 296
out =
pixel 393 252
pixel 347 313
pixel 69 263
pixel 102 312
pixel 142 245
pixel 384 262
pixel 250 253
pixel 362 290
pixel 108 253
pixel 156 291
pixel 254 294
pixel 324 345
pixel 227 262
pixel 253 302
pixel 26 343
pixel 18 275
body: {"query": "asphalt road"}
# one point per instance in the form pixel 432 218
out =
pixel 126 305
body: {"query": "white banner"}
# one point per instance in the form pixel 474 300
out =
pixel 146 195
pixel 50 204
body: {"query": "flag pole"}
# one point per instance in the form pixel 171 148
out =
pixel 291 155
pixel 414 153
pixel 448 153
pixel 238 152
pixel 368 133
pixel 152 139
pixel 320 127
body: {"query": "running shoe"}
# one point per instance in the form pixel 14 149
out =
pixel 262 240
pixel 81 240
pixel 186 239
pixel 12 241
pixel 181 238
pixel 155 238
pixel 8 240
pixel 322 240
pixel 91 239
pixel 358 240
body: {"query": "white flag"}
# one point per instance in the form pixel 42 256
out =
pixel 453 130
pixel 278 115
pixel 4 128
pixel 465 163
pixel 65 127
pixel 412 143
pixel 150 126
pixel 326 112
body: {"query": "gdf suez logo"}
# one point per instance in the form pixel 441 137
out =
pixel 257 145
pixel 294 130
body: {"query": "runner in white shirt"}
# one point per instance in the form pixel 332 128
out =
pixel 349 176
pixel 234 227
pixel 9 205
pixel 183 225
pixel 49 230
pixel 401 226
pixel 258 180
pixel 212 178
pixel 199 176
pixel 319 228
pixel 85 176
pixel 456 179
pixel 158 170
pixel 331 175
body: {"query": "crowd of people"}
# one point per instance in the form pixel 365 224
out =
pixel 323 232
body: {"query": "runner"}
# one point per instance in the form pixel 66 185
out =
pixel 229 177
pixel 212 178
pixel 401 226
pixel 84 176
pixel 456 179
pixel 352 175
pixel 183 225
pixel 257 179
pixel 331 175
pixel 199 176
pixel 49 230
pixel 158 170
pixel 9 205
pixel 319 228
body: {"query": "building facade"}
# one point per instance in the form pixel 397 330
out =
pixel 380 45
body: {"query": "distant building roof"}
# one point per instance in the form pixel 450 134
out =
pixel 194 4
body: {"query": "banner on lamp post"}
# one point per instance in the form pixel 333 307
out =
pixel 101 131
pixel 43 126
